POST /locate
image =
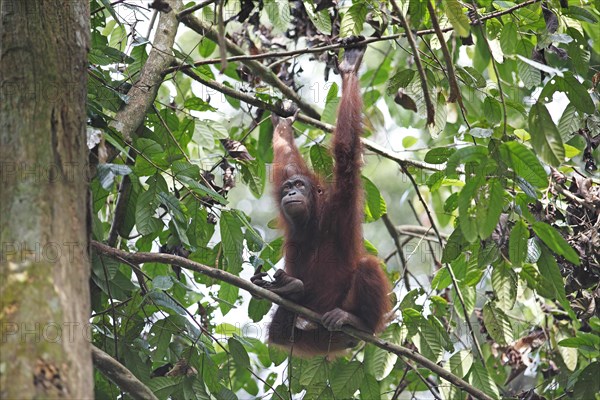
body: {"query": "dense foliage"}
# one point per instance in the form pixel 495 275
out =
pixel 499 277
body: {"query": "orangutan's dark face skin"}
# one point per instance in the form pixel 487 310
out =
pixel 295 198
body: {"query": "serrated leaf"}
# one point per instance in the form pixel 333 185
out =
pixel 545 138
pixel 457 17
pixel 554 240
pixel 497 324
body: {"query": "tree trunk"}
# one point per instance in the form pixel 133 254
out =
pixel 44 259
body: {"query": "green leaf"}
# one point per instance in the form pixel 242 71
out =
pixel 162 300
pixel 279 13
pixel 238 352
pixel 508 38
pixel 321 160
pixel 581 14
pixel 497 324
pixel 467 154
pixel 375 205
pixel 400 79
pixel 162 282
pixel 455 246
pixel 517 246
pixel 315 371
pixel 409 141
pixel 505 283
pixel 197 104
pixel 588 384
pixel 554 240
pixel 457 17
pixel 545 138
pixel 480 378
pixel 202 190
pixel 353 20
pixel 257 309
pixel 551 278
pixel 145 220
pixel 369 389
pixel 228 295
pixel 254 175
pixel 347 379
pixel 575 91
pixel 569 123
pixel 490 208
pixel 584 341
pixel 468 223
pixel 530 76
pixel 232 239
pixel 378 361
pixel 578 94
pixel 321 19
pixel 439 155
pixel 524 163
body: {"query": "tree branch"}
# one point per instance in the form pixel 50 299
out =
pixel 121 376
pixel 305 312
pixel 454 90
pixel 143 92
pixel 336 46
pixel 370 145
pixel 413 45
pixel 141 97
pixel 257 68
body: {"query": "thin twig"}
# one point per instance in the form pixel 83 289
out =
pixel 198 6
pixel 454 90
pixel 257 68
pixel 479 23
pixel 336 46
pixel 394 234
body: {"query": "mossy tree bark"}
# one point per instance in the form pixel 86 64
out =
pixel 44 263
